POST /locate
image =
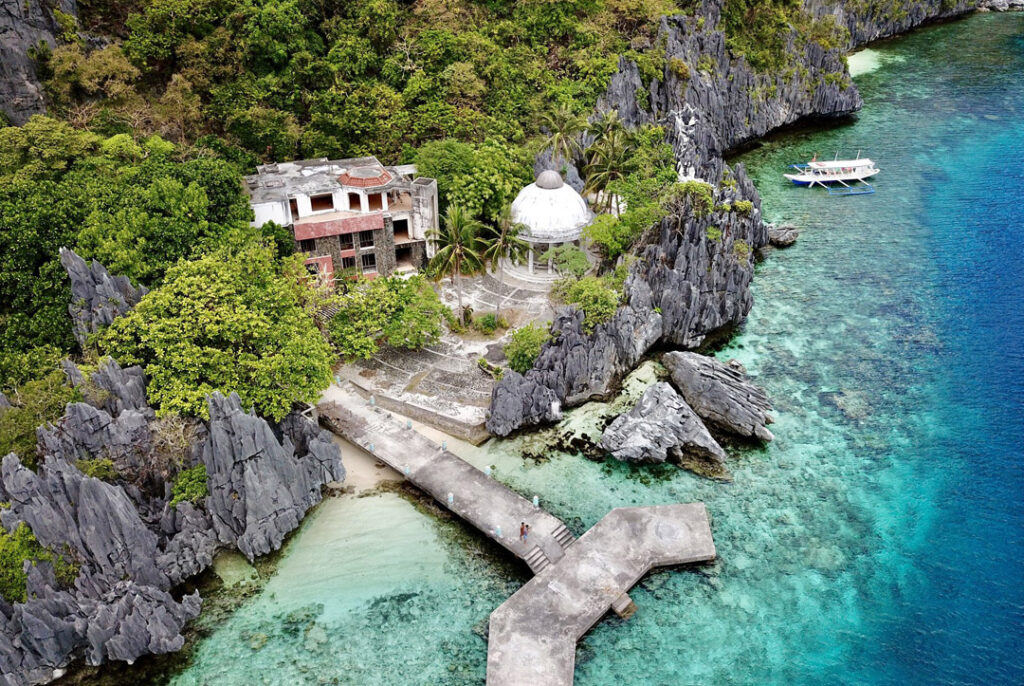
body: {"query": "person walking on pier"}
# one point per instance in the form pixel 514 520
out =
pixel 526 533
pixel 522 531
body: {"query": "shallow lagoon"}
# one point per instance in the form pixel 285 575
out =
pixel 877 540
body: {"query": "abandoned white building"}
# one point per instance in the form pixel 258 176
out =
pixel 554 214
pixel 349 217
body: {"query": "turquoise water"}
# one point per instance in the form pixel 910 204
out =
pixel 879 539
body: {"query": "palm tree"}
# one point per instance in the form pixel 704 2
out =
pixel 609 161
pixel 604 125
pixel 504 243
pixel 458 249
pixel 564 127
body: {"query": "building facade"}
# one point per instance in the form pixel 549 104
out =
pixel 349 217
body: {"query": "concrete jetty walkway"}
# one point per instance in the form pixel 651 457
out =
pixel 490 506
pixel 533 634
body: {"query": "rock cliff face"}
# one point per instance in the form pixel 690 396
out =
pixel 692 281
pixel 132 547
pixel 871 20
pixel 22 26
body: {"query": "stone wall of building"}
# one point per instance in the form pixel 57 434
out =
pixel 384 247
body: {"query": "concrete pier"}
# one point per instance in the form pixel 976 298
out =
pixel 487 504
pixel 533 634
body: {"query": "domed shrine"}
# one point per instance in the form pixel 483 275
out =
pixel 554 214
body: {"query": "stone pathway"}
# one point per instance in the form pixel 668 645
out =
pixel 490 506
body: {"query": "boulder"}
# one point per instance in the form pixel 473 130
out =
pixel 660 426
pixel 783 236
pixel 720 394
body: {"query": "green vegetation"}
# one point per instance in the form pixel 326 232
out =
pixel 570 260
pixel 597 297
pixel 714 233
pixel 699 194
pixel 524 346
pixel 404 313
pixel 35 402
pixel 503 243
pixel 190 486
pixel 18 546
pixel 744 207
pixel 99 468
pixel 232 320
pixel 300 79
pixel 481 179
pixel 741 250
pixel 138 213
pixel 758 30
pixel 488 323
pixel 459 250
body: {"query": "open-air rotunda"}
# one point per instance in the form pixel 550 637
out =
pixel 554 214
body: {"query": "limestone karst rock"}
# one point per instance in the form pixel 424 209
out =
pixel 97 298
pixel 720 394
pixel 661 426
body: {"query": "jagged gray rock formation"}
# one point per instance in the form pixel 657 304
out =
pixel 692 283
pixel 97 298
pixel 132 546
pixel 119 608
pixel 783 236
pixel 720 394
pixel 662 425
pixel 22 26
pixel 259 489
pixel 546 160
pixel 868 21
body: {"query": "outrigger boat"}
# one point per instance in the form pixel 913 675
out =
pixel 837 176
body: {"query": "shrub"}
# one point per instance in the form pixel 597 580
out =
pixel 741 249
pixel 570 260
pixel 714 233
pixel 698 192
pixel 680 68
pixel 190 486
pixel 595 298
pixel 404 313
pixel 99 468
pixel 744 207
pixel 524 346
pixel 489 323
pixel 35 403
pixel 18 546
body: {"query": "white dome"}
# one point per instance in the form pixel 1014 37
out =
pixel 552 212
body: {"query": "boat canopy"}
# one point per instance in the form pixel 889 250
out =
pixel 840 164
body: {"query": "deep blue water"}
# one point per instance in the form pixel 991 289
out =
pixel 878 540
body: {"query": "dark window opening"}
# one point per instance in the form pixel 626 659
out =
pixel 375 202
pixel 345 240
pixel 307 245
pixel 348 263
pixel 321 203
pixel 353 202
pixel 366 239
pixel 369 262
pixel 293 205
pixel 402 231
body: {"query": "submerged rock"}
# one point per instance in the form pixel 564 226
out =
pixel 662 425
pixel 720 394
pixel 783 236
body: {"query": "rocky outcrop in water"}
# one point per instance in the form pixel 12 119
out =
pixel 22 26
pixel 783 236
pixel 132 547
pixel 868 21
pixel 721 394
pixel 97 298
pixel 662 425
pixel 691 284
